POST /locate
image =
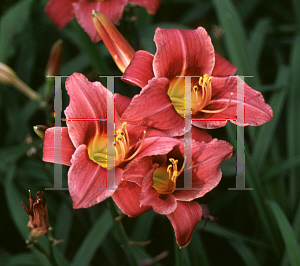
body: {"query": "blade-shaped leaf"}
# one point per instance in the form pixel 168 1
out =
pixel 287 233
pixel 93 240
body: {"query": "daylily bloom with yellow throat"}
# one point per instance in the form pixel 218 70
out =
pixel 84 141
pixel 61 12
pixel 157 182
pixel 213 92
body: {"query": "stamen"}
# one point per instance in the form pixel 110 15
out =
pixel 139 148
pixel 183 165
pixel 127 137
pixel 117 154
pixel 206 90
pixel 220 110
pixel 122 150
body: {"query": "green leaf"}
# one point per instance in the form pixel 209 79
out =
pixel 13 199
pixel 259 196
pixel 258 37
pixel 236 41
pixel 246 8
pixel 41 257
pixel 198 254
pixel 93 240
pixel 293 116
pixel 76 35
pixel 61 228
pixel 280 167
pixel 78 63
pixel 245 253
pixel 22 259
pixel 9 155
pixel 267 131
pixel 296 9
pixel 12 24
pixel 142 226
pixel 228 233
pixel 287 233
pixel 196 12
pixel 181 255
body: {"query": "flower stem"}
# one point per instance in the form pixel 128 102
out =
pixel 51 254
pixel 121 232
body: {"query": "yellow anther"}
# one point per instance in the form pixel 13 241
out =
pixel 166 183
pixel 205 99
pixel 98 151
pixel 174 176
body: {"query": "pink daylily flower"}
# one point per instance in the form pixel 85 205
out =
pixel 213 95
pixel 152 182
pixel 61 12
pixel 84 141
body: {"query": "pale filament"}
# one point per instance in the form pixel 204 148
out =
pixel 173 173
pixel 122 139
pixel 205 98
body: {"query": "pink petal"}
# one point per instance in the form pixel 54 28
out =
pixel 206 172
pixel 184 220
pixel 128 199
pixel 88 103
pixel 209 123
pixel 223 68
pixel 200 135
pixel 121 103
pixel 257 112
pixel 137 169
pixel 67 147
pixel 140 69
pixel 153 107
pixel 183 52
pixel 151 5
pixel 163 204
pixel 60 12
pixel 156 142
pixel 113 10
pixel 88 180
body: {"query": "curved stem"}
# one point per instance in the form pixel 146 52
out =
pixel 121 232
pixel 51 253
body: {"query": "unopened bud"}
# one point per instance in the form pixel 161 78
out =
pixel 54 62
pixel 9 77
pixel 40 130
pixel 120 50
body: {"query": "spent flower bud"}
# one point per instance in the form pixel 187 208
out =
pixel 38 224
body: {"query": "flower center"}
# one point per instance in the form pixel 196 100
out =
pixel 97 149
pixel 164 178
pixel 201 96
